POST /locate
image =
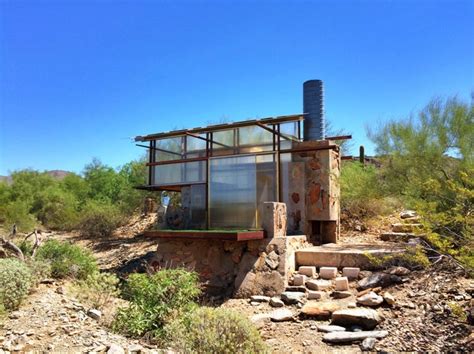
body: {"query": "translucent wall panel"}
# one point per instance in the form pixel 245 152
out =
pixel 232 192
pixel 169 149
pixel 255 139
pixel 289 129
pixel 180 173
pixel 198 206
pixel 195 147
pixel 224 142
pixel 266 182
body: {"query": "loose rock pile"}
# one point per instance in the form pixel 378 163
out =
pixel 333 295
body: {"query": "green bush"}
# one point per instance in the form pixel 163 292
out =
pixel 15 281
pixel 412 258
pixel 97 289
pixel 155 300
pixel 67 260
pixel 17 212
pixel 40 270
pixel 362 194
pixel 214 330
pixel 99 219
pixel 56 209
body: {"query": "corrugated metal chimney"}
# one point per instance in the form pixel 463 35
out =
pixel 313 106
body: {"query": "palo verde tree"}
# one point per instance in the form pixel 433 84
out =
pixel 428 160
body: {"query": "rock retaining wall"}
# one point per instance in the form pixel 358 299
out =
pixel 231 268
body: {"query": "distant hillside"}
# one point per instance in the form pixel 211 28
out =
pixel 57 174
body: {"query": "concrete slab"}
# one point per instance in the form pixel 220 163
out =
pixel 344 255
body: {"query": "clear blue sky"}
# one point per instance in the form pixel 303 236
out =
pixel 79 79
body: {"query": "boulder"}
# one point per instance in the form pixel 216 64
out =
pixel 378 279
pixel 398 270
pixel 408 214
pixel 95 314
pixel 345 337
pixel 368 344
pixel 276 302
pixel 370 299
pixel 115 349
pixel 364 317
pixel 319 310
pixel 389 298
pixel 292 297
pixel 281 315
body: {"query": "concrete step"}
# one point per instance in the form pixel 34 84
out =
pixel 344 255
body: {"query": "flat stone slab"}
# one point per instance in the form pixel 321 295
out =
pixel 370 299
pixel 364 317
pixel 345 337
pixel 330 328
pixel 281 315
pixel 319 310
pixel 344 255
pixel 396 236
pixel 292 298
pixel 260 298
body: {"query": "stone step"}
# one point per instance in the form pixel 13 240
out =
pixel 344 255
pixel 397 236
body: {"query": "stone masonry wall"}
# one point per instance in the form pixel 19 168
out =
pixel 231 268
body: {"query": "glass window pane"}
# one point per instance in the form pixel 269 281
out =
pixel 232 192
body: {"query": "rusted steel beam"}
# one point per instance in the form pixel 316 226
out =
pixel 284 136
pixel 207 234
pixel 169 162
pixel 158 149
pixel 205 139
pixel 211 128
pixel 339 137
pixel 204 158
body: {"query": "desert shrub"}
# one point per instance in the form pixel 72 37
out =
pixel 362 194
pixel 15 281
pixel 412 258
pixel 26 247
pixel 17 212
pixel 40 270
pixel 214 330
pixel 155 300
pixel 56 208
pixel 97 289
pixel 66 259
pixel 99 219
pixel 457 311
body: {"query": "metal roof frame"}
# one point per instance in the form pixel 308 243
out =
pixel 225 126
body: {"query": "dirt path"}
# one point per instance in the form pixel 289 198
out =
pixel 49 321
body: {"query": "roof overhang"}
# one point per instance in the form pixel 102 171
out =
pixel 225 126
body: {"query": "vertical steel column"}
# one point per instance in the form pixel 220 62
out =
pixel 278 164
